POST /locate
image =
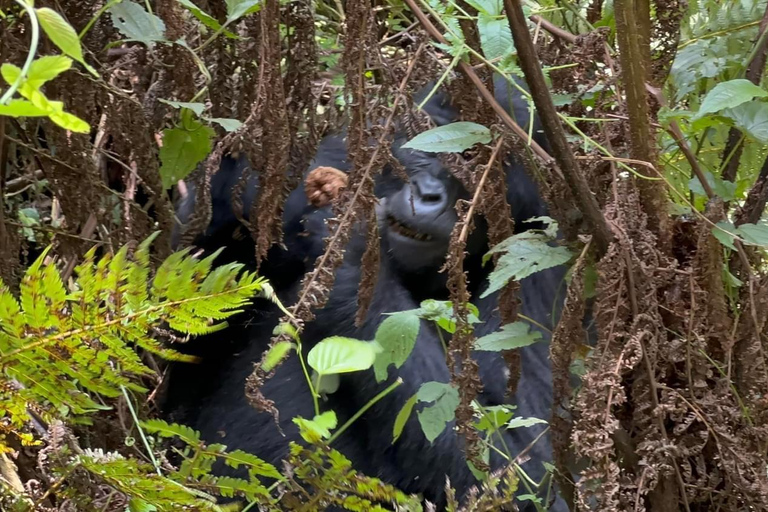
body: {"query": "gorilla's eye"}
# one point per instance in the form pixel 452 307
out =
pixel 407 231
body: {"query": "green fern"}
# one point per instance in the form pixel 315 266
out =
pixel 61 345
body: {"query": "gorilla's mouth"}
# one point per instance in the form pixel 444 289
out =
pixel 407 231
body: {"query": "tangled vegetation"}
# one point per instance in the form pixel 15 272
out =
pixel 657 179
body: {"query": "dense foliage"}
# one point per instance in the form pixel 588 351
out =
pixel 658 181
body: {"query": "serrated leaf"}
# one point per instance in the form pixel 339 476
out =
pixel 722 231
pixel 490 7
pixel 511 336
pixel 47 68
pixel 230 125
pixel 182 150
pixel 255 465
pixel 238 8
pixel 135 23
pixel 62 35
pixel 317 428
pixel 495 36
pixel 197 108
pixel 754 234
pixel 730 94
pixel 168 430
pixel 450 138
pixel 525 255
pixel 435 417
pixel 397 336
pixel 524 422
pixel 276 354
pixel 342 355
pixel 402 418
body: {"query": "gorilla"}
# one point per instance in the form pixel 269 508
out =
pixel 415 221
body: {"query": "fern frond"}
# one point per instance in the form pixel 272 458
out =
pixel 57 347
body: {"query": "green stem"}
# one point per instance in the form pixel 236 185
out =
pixel 452 65
pixel 362 410
pixel 216 34
pixel 30 57
pixel 96 17
pixel 141 431
pixel 306 376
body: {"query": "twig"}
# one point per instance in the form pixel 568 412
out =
pixel 350 210
pixel 19 184
pixel 554 29
pixel 476 197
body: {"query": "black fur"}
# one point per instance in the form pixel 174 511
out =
pixel 210 397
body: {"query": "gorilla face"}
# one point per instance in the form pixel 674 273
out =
pixel 417 218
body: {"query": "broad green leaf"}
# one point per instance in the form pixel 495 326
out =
pixel 754 234
pixel 435 417
pixel 276 354
pixel 197 108
pixel 47 68
pixel 402 418
pixel 22 108
pixel 205 18
pixel 511 336
pixel 397 336
pixel 526 254
pixel 62 35
pixel 524 422
pixel 238 8
pixel 135 23
pixel 495 36
pixel 230 125
pixel 450 138
pixel 726 190
pixel 730 94
pixel 182 150
pixel 342 355
pixel 494 417
pixel 752 118
pixel 723 234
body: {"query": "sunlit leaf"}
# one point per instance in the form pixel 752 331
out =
pixel 342 355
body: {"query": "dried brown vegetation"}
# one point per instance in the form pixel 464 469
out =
pixel 672 412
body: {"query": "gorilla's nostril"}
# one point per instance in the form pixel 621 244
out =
pixel 429 190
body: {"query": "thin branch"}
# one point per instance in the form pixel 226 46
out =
pixel 484 92
pixel 529 63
